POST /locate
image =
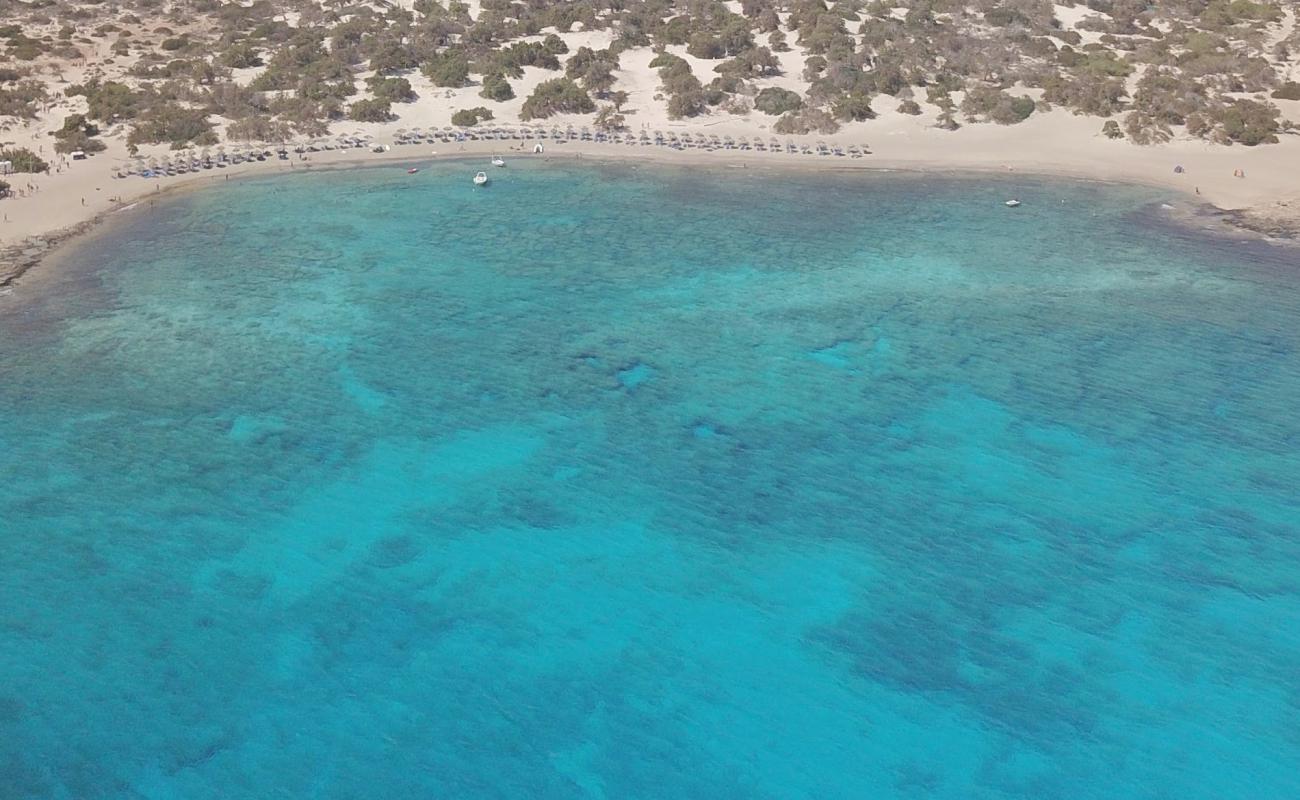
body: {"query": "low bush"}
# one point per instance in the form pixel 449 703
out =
pixel 1287 91
pixel 776 101
pixel 23 160
pixel 376 110
pixel 557 96
pixel 469 117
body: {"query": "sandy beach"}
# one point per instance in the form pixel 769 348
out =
pixel 1256 184
pixel 1057 144
pixel 1257 187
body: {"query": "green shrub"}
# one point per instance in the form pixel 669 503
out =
pixel 687 104
pixel 23 160
pixel 1287 91
pixel 554 45
pixel 393 90
pixel 377 110
pixel 703 44
pixel 809 120
pixel 557 96
pixel 854 107
pixel 108 102
pixel 468 117
pixel 496 87
pixel 447 70
pixel 776 101
pixel 22 99
pixel 174 125
pixel 1019 109
pixel 240 56
pixel 24 49
pixel 1248 122
pixel 996 105
pixel 1004 17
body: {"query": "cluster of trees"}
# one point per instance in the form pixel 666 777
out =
pixel 557 96
pixel 172 113
pixel 174 125
pixel 23 160
pixel 594 69
pixel 372 110
pixel 1195 59
pixel 469 117
pixel 776 101
pixel 20 96
pixel 77 133
pixel 992 104
pixel 684 91
pixel 21 47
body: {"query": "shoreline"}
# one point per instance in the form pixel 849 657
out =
pixel 19 256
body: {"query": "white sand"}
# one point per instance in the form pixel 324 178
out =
pixel 1056 143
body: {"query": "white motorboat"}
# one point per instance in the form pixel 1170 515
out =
pixel 1012 203
pixel 498 161
pixel 480 179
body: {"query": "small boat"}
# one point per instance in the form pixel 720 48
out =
pixel 412 170
pixel 480 179
pixel 1012 203
pixel 498 161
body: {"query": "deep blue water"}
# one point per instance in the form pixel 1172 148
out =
pixel 606 482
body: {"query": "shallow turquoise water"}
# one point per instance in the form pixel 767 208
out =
pixel 618 483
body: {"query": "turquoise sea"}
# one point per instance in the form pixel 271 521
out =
pixel 618 482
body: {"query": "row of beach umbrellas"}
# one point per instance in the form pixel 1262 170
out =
pixel 193 159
